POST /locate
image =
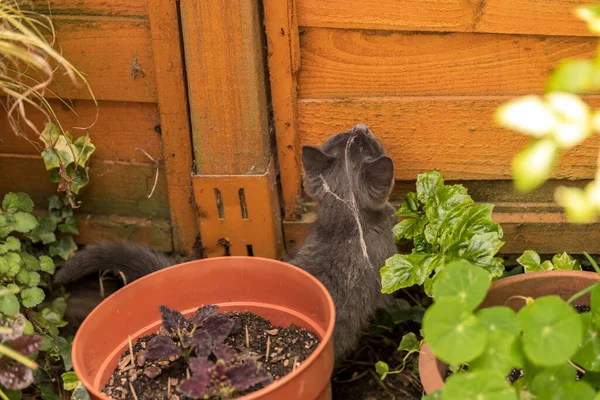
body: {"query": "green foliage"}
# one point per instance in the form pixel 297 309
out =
pixel 542 339
pixel 531 262
pixel 444 225
pixel 30 250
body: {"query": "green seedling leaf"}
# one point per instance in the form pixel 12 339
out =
pixel 557 384
pixel 497 355
pixel 552 331
pixel 408 228
pixel 63 248
pixel 532 166
pixel 588 354
pixel 499 318
pixel 530 260
pixel 427 185
pixel 463 281
pixel 437 395
pixel 23 222
pixel 70 380
pixel 479 385
pixel 565 262
pixel 11 244
pixel 382 369
pixel 32 297
pixel 455 335
pixel 409 343
pixel 403 270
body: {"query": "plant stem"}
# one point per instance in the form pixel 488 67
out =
pixel 582 293
pixel 591 260
pixel 15 355
pixel 3 396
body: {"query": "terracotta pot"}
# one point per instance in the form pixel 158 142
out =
pixel 534 284
pixel 279 292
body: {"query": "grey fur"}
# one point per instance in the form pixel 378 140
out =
pixel 350 178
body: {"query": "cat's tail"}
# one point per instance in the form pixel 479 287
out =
pixel 133 260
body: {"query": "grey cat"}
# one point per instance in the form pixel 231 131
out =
pixel 350 177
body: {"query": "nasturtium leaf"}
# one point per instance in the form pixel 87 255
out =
pixel 479 385
pixel 499 319
pixel 16 377
pixel 70 380
pixel 427 185
pixel 588 354
pixel 11 244
pixel 464 282
pixel 532 166
pixel 172 320
pixel 14 202
pixel 403 270
pixel 455 335
pixel 437 395
pixel 382 369
pixel 32 297
pixel 161 348
pixel 47 264
pixel 408 228
pixel 552 331
pixel 63 248
pixel 409 343
pixel 9 304
pixel 565 262
pixel 497 354
pixel 245 375
pixel 23 222
pixel 410 207
pixel 559 384
pixel 218 327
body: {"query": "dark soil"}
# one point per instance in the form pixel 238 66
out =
pixel 288 348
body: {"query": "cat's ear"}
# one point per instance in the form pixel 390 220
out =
pixel 314 160
pixel 380 171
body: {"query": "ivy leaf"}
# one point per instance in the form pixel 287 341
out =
pixel 63 248
pixel 80 393
pixel 64 350
pixel 81 180
pixel 11 244
pixel 69 226
pixel 47 392
pixel 14 202
pixel 409 343
pixel 531 261
pixel 44 231
pixel 70 380
pixel 480 385
pixel 463 281
pixel 427 185
pixel 23 222
pixel 403 270
pixel 50 158
pixel 245 375
pixel 85 148
pixel 382 369
pixel 161 348
pixel 32 297
pixel 218 327
pixel 410 207
pixel 16 377
pixel 499 318
pixel 47 264
pixel 588 354
pixel 565 262
pixel 455 335
pixel 550 323
pixel 408 228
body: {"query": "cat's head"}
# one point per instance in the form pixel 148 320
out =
pixel 352 160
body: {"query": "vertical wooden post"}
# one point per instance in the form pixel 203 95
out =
pixel 235 187
pixel 174 121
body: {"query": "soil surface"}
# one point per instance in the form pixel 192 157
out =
pixel 288 348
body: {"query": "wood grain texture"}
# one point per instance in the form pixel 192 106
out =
pixel 547 233
pixel 121 129
pixel 115 187
pixel 456 135
pixel 341 64
pixel 174 121
pixel 284 52
pixel 104 49
pixel 536 17
pixel 226 83
pixel 137 8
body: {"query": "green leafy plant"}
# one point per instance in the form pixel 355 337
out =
pixel 547 340
pixel 30 249
pixel 559 120
pixel 28 64
pixel 444 224
pixel 531 262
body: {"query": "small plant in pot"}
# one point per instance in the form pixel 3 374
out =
pixel 542 346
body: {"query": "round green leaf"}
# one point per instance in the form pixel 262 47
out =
pixel 588 355
pixel 382 369
pixel 464 282
pixel 499 319
pixel 548 385
pixel 532 166
pixel 456 336
pixel 552 331
pixel 23 222
pixel 497 355
pixel 9 304
pixel 32 296
pixel 479 385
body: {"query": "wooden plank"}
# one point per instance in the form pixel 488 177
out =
pixel 456 135
pixel 104 49
pixel 136 8
pixel 226 83
pixel 115 187
pixel 284 56
pixel 341 64
pixel 546 17
pixel 121 129
pixel 546 233
pixel 174 121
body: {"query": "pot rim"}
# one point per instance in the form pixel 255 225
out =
pixel 430 365
pixel 325 340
